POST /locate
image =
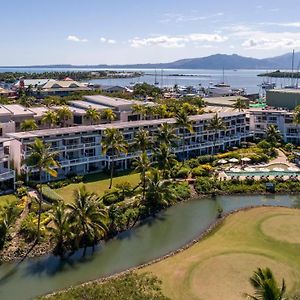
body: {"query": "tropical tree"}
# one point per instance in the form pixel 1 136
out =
pixel 93 115
pixel 140 109
pixel 114 143
pixel 161 110
pixel 108 115
pixel 88 216
pixel 158 192
pixel 60 227
pixel 266 287
pixel 167 134
pixel 142 165
pixel 164 159
pixel 240 104
pixel 49 118
pixel 216 124
pixel 142 140
pixel 183 123
pixel 64 114
pixel 44 160
pixel 273 135
pixel 296 117
pixel 29 124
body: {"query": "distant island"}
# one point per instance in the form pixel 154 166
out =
pixel 216 61
pixel 280 74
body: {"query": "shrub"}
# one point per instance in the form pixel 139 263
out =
pixel 200 171
pixel 111 197
pixel 50 195
pixel 192 163
pixel 264 145
pixel 204 185
pixel 181 190
pixel 22 191
pixel 289 147
pixel 29 226
pixel 183 173
pixel 204 159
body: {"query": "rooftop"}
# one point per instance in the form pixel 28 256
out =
pixel 286 91
pixel 86 105
pixel 18 110
pixel 121 125
pixel 226 101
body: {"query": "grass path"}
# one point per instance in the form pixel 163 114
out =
pixel 97 183
pixel 219 266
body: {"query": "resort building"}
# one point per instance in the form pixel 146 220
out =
pixel 80 152
pixel 285 98
pixel 7 176
pixel 259 119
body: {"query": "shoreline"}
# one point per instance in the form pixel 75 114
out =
pixel 215 225
pixel 47 249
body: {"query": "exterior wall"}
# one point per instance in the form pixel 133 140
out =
pixel 285 99
pixel 7 127
pixel 81 153
pixel 7 176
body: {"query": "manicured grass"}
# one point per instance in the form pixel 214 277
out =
pixel 97 183
pixel 7 198
pixel 219 267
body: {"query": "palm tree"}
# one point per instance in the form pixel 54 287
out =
pixel 183 123
pixel 115 143
pixel 108 115
pixel 296 118
pixel 29 124
pixel 158 193
pixel 142 165
pixel 142 140
pixel 60 228
pixel 87 215
pixel 266 287
pixel 167 134
pixel 140 109
pixel 44 160
pixel 164 159
pixel 49 118
pixel 161 110
pixel 216 124
pixel 273 135
pixel 240 104
pixel 93 115
pixel 64 114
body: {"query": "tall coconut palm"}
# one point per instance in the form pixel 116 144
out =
pixel 140 109
pixel 266 287
pixel 108 115
pixel 240 104
pixel 114 143
pixel 164 159
pixel 142 140
pixel 158 192
pixel 64 114
pixel 161 110
pixel 273 135
pixel 142 165
pixel 93 115
pixel 49 118
pixel 60 227
pixel 29 124
pixel 183 123
pixel 216 124
pixel 87 215
pixel 44 160
pixel 167 135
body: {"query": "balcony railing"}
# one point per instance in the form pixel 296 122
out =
pixel 6 174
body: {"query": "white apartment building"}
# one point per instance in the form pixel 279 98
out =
pixel 79 148
pixel 259 119
pixel 7 176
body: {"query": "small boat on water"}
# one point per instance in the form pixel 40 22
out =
pixel 267 85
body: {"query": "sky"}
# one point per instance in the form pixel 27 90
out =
pixel 142 31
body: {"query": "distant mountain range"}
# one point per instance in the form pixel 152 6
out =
pixel 216 61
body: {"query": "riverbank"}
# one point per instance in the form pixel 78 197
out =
pixel 211 229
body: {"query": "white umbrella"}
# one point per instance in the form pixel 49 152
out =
pixel 278 169
pixel 233 160
pixel 222 161
pixel 250 169
pixel 264 170
pixel 245 159
pixel 293 169
pixel 236 170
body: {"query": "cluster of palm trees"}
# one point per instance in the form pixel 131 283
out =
pixel 63 115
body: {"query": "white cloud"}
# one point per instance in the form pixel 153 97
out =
pixel 74 38
pixel 108 41
pixel 178 18
pixel 166 41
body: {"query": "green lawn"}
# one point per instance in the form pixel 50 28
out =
pixel 98 183
pixel 7 198
pixel 219 267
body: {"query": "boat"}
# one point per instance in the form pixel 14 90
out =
pixel 155 79
pixel 267 85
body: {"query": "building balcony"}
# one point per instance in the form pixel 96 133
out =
pixel 6 174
